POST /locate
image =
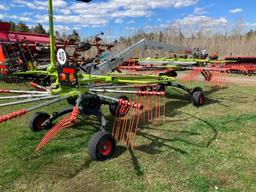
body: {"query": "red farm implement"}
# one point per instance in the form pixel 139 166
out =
pixel 241 65
pixel 20 51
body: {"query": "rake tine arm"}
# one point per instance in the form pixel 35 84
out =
pixel 56 100
pixel 13 115
pixel 27 101
pixel 22 112
pixel 142 93
pixel 24 96
pixel 21 91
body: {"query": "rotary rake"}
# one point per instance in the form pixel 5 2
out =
pixel 87 93
pixel 213 76
pixel 218 73
pixel 89 87
pixel 215 73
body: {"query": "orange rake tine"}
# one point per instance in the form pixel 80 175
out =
pixel 136 129
pixel 66 122
pixel 50 134
pixel 124 125
pixel 128 134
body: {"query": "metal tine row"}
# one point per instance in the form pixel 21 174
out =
pixel 22 91
pixel 23 96
pixel 28 101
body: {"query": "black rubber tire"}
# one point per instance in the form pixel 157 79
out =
pixel 160 88
pixel 101 146
pixel 72 101
pixel 213 57
pixel 204 56
pixel 36 120
pixel 114 106
pixel 198 98
pixel 171 73
pixel 197 89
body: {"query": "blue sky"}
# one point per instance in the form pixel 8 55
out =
pixel 124 17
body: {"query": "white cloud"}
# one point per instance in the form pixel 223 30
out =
pixel 237 10
pixel 20 18
pixel 38 4
pixel 16 5
pixel 31 5
pixel 59 3
pixel 66 11
pixel 3 8
pixel 156 27
pixel 119 21
pixel 171 3
pixel 131 22
pixel 200 11
pixel 131 28
pixel 119 9
pixel 23 18
pixel 62 28
pixel 27 14
pixel 100 13
pixel 203 21
pixel 164 25
pixel 205 24
pixel 250 25
pixel 150 27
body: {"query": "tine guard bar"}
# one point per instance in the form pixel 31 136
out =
pixel 13 115
pixel 151 93
pixel 130 104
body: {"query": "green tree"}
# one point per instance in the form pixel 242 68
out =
pixel 39 29
pixel 250 33
pixel 74 36
pixel 13 26
pixel 22 27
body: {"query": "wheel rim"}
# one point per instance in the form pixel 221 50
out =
pixel 106 147
pixel 201 100
pixel 39 123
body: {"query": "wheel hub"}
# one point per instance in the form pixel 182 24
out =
pixel 106 147
pixel 201 100
pixel 40 122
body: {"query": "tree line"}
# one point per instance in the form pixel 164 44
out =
pixel 39 29
pixel 227 43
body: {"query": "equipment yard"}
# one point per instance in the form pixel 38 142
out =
pixel 211 148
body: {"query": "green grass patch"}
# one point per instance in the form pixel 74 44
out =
pixel 211 148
